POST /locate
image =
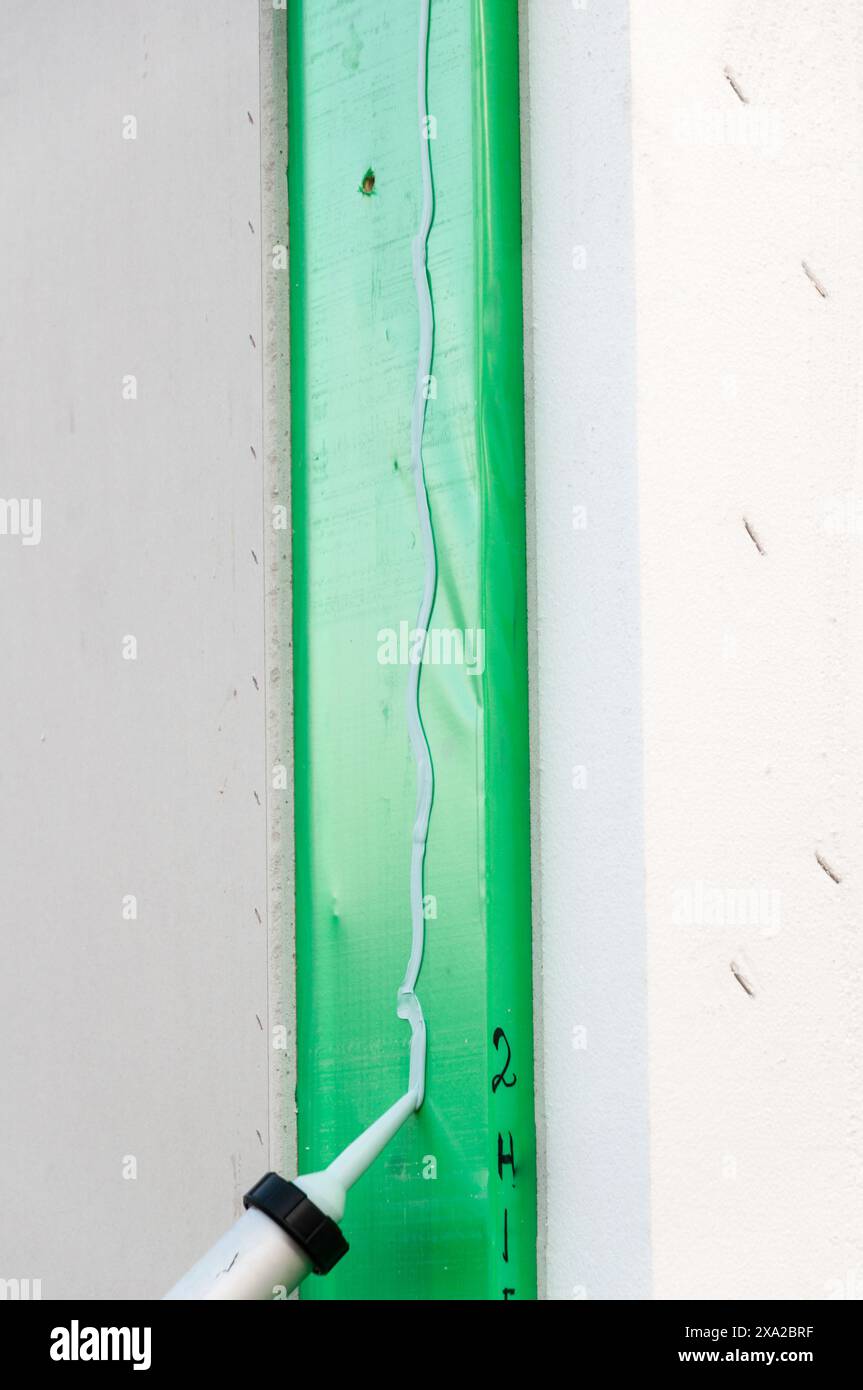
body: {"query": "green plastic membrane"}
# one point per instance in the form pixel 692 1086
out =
pixel 449 1210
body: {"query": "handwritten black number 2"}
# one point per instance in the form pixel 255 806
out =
pixel 501 1077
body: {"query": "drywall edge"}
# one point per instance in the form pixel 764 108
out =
pixel 276 390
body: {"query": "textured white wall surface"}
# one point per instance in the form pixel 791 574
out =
pixel 130 1042
pixel 736 197
pixel 749 380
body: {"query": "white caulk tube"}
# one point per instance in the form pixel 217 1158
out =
pixel 289 1228
pixel 255 1259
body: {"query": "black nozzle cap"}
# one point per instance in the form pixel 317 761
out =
pixel 287 1205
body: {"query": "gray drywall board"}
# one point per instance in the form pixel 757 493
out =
pixel 144 1039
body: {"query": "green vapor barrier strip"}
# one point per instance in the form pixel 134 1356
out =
pixel 449 1210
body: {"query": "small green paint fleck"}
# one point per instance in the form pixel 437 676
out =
pixel 367 187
